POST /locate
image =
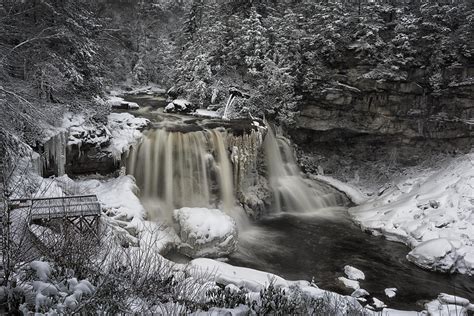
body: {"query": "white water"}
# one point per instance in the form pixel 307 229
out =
pixel 291 192
pixel 229 103
pixel 175 169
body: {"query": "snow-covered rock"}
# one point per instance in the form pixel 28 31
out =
pixel 120 103
pixel 378 303
pixel 205 232
pixel 179 106
pixel 354 273
pixel 207 113
pixel 429 205
pixel 391 292
pixel 223 273
pixel 351 284
pixel 353 193
pixel 125 131
pixel 360 293
pixel 435 254
pixel 83 133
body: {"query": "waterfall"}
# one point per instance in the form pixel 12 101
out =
pixel 229 103
pixel 211 167
pixel 291 192
pixel 176 169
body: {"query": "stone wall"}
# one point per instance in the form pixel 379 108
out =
pixel 366 115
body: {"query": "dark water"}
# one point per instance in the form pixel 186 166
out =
pixel 144 100
pixel 319 246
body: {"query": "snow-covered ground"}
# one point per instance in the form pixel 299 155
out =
pixel 431 211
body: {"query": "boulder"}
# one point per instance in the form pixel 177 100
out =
pixel 205 232
pixel 436 254
pixel 180 106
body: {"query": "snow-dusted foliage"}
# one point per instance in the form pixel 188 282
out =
pixel 52 290
pixel 282 52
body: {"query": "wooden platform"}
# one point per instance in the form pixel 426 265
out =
pixel 79 213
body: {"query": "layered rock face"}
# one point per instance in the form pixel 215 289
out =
pixel 368 116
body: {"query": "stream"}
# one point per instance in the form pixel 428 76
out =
pixel 319 245
pixel 303 245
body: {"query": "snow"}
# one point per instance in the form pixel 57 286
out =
pixel 42 269
pixel 81 132
pixel 148 89
pixel 354 273
pixel 120 103
pixel 125 131
pixel 351 284
pixel 126 214
pixel 207 113
pixel 178 106
pixel 447 305
pixel 54 293
pixel 390 292
pixel 353 193
pixel 360 293
pixel 206 232
pixel 117 194
pixel 437 254
pixel 452 299
pixel 433 205
pixel 224 273
pixel 121 132
pixel 378 303
pixel 394 312
pixel 255 281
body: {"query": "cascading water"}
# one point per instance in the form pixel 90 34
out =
pixel 177 169
pixel 208 168
pixel 291 192
pixel 229 103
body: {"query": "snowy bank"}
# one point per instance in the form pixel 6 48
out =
pixel 353 193
pixel 126 214
pixel 430 211
pixel 122 131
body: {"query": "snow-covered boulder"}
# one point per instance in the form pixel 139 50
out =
pixel 391 292
pixel 205 232
pixel 120 103
pixel 350 284
pixel 180 106
pixel 440 254
pixel 354 273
